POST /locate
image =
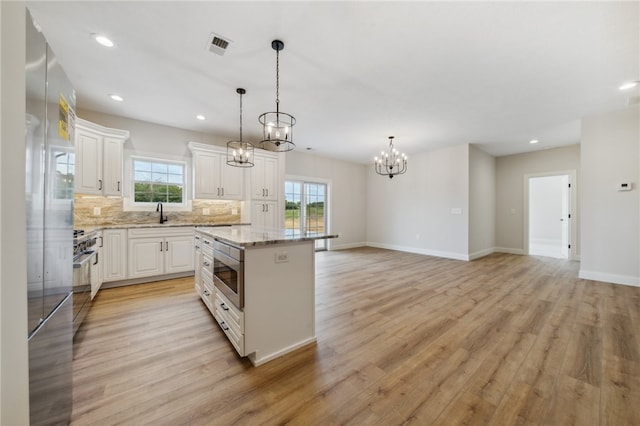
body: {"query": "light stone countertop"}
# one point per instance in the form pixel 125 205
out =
pixel 248 236
pixel 89 230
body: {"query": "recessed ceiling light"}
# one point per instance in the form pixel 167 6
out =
pixel 532 141
pixel 116 98
pixel 628 85
pixel 201 117
pixel 105 41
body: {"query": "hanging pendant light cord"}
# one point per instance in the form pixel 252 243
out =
pixel 277 83
pixel 240 117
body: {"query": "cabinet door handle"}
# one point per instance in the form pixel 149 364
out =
pixel 166 246
pixel 160 245
pixel 206 242
pixel 267 191
pixel 207 264
pixel 224 326
pixel 223 306
pixel 99 184
pixel 101 241
pixel 206 293
pixel 96 262
pixel 263 192
pixel 118 186
pixel 222 190
pixel 197 247
pixel 267 206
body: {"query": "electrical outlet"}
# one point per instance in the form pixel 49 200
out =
pixel 234 211
pixel 205 212
pixel 97 211
pixel 282 257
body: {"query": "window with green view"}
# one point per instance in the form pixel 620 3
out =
pixel 157 181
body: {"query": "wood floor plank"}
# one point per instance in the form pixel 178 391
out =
pixel 402 338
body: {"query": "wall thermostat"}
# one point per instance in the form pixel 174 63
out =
pixel 624 186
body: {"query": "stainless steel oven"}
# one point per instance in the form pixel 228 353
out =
pixel 228 272
pixel 84 258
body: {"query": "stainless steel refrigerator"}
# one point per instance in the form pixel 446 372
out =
pixel 50 116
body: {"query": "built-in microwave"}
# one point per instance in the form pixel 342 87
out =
pixel 228 272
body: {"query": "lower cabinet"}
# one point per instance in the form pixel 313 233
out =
pixel 158 252
pixel 114 255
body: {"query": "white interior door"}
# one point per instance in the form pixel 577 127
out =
pixel 549 205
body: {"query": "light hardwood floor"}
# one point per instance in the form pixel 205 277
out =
pixel 402 338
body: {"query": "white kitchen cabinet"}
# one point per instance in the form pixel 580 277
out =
pixel 160 251
pixel 99 152
pixel 114 255
pixel 213 178
pixel 265 177
pixel 264 214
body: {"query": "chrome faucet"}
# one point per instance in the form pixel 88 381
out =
pixel 163 218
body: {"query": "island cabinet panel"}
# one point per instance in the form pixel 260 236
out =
pixel 279 299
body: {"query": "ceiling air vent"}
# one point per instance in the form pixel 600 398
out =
pixel 217 44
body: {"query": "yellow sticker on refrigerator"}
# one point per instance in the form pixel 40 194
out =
pixel 63 118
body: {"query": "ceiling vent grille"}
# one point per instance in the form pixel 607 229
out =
pixel 217 44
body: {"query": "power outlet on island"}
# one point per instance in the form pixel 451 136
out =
pixel 282 257
pixel 205 212
pixel 97 211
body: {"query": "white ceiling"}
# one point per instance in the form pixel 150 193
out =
pixel 495 74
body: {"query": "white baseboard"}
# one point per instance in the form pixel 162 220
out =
pixel 436 253
pixel 481 253
pixel 610 278
pixel 346 246
pixel 508 250
pixel 263 359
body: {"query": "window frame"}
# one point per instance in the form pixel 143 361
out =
pixel 131 205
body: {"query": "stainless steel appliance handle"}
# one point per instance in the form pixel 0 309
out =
pixel 84 258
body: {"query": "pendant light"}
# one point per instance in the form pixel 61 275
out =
pixel 277 127
pixel 240 153
pixel 390 163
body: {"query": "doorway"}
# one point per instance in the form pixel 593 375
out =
pixel 548 227
pixel 306 209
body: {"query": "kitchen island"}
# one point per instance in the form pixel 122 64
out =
pixel 259 284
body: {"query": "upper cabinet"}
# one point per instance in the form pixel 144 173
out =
pixel 213 178
pixel 264 177
pixel 99 153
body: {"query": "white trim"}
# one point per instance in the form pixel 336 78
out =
pixel 481 253
pixel 609 278
pixel 259 361
pixel 128 205
pixel 436 253
pixel 509 250
pixel 573 209
pixel 347 246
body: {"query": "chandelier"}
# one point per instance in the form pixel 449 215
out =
pixel 277 127
pixel 240 153
pixel 390 163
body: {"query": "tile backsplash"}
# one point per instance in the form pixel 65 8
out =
pixel 112 213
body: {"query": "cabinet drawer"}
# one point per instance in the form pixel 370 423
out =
pixel 207 246
pixel 233 315
pixel 161 231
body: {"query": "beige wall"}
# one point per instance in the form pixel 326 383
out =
pixel 347 186
pixel 413 212
pixel 482 202
pixel 611 219
pixel 510 175
pixel 14 375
